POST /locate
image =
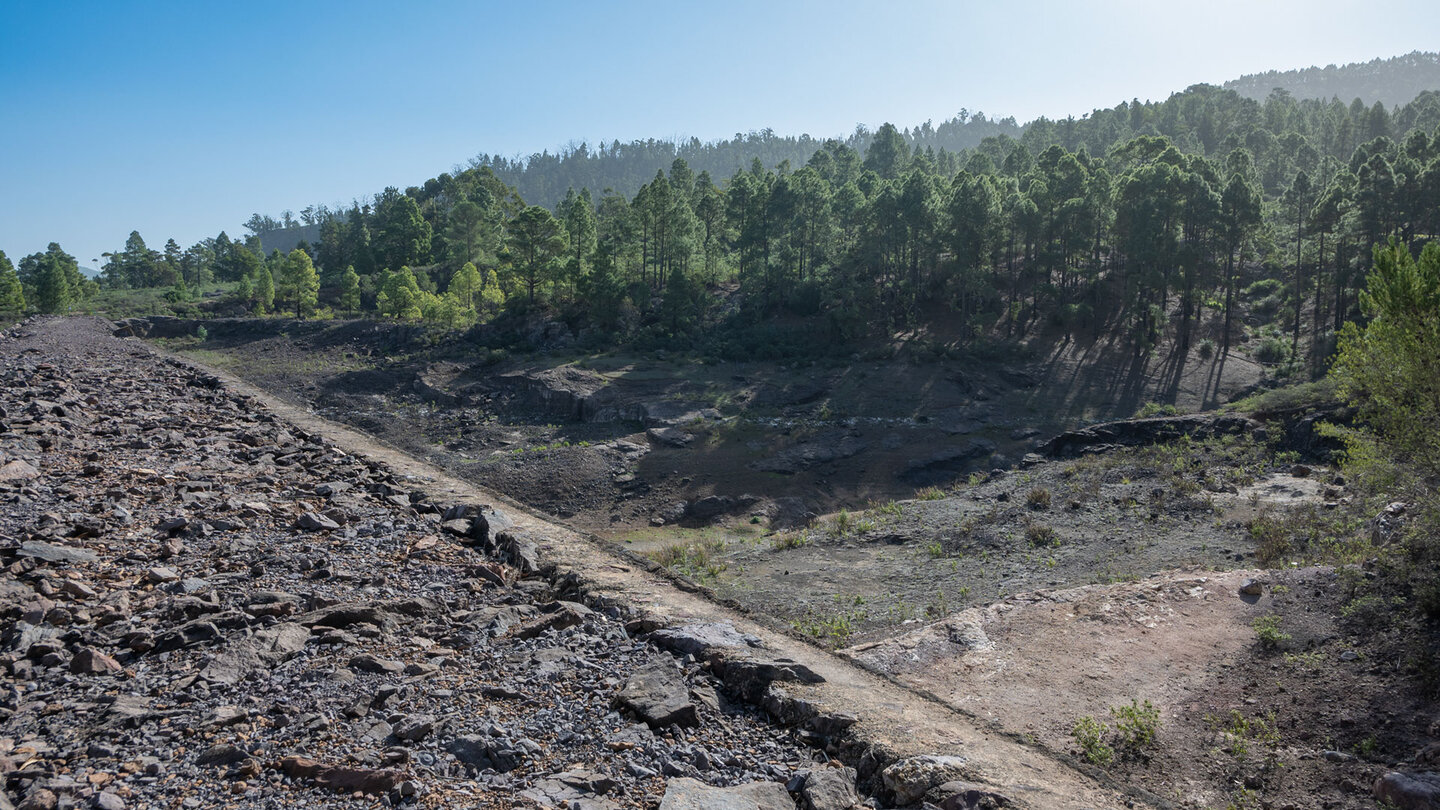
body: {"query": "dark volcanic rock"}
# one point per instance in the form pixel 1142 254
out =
pixel 1136 432
pixel 658 695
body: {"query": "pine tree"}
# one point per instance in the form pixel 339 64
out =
pixel 350 290
pixel 264 290
pixel 299 283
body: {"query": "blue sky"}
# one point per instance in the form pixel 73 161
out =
pixel 181 119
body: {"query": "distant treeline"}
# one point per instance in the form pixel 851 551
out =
pixel 1143 218
pixel 1389 81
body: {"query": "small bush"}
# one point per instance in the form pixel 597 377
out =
pixel 201 333
pixel 930 494
pixel 1136 724
pixel 1150 409
pixel 1272 351
pixel 1265 286
pixel 1206 349
pixel 1090 734
pixel 1040 535
pixel 1038 499
pixel 1135 729
pixel 1271 536
pixel 1267 629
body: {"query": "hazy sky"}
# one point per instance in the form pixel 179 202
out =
pixel 181 119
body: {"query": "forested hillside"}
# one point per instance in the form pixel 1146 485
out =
pixel 1147 220
pixel 543 178
pixel 1389 81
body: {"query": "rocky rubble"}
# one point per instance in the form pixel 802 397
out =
pixel 206 607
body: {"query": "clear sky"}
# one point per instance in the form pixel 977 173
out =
pixel 180 119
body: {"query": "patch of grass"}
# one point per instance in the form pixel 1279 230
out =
pixel 1151 409
pixel 697 559
pixel 1132 732
pixel 1238 732
pixel 785 540
pixel 832 629
pixel 936 550
pixel 892 508
pixel 930 494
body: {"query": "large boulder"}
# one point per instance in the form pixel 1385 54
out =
pixel 657 694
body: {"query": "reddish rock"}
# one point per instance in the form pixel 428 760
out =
pixel 342 778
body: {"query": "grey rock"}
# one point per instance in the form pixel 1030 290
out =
pixel 830 789
pixel 556 616
pixel 310 521
pixel 161 575
pixel 961 795
pixel 910 779
pixel 1252 587
pixel 1409 791
pixel 370 663
pixel 700 638
pixel 670 436
pixel 658 695
pixel 54 552
pixel 685 793
pixel 415 728
pixel 222 755
pixel 232 665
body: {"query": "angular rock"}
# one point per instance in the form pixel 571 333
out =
pixel 558 616
pixel 698 639
pixel 830 789
pixel 18 470
pixel 310 521
pixel 222 755
pixel 53 552
pixel 910 779
pixel 39 799
pixel 90 661
pixel 342 778
pixel 414 728
pixel 691 794
pixel 233 665
pixel 658 695
pixel 370 663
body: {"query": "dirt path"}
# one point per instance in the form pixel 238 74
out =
pixel 892 716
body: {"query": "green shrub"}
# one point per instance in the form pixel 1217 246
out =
pixel 1265 286
pixel 1267 629
pixel 1136 725
pixel 1272 351
pixel 1150 409
pixel 1090 735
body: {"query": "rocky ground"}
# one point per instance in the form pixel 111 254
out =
pixel 206 607
pixel 1091 576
